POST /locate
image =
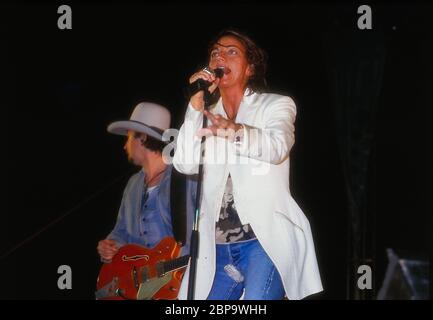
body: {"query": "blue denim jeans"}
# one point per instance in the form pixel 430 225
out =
pixel 245 266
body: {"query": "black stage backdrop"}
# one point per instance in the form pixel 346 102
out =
pixel 65 174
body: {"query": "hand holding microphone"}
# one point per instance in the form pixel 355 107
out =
pixel 205 79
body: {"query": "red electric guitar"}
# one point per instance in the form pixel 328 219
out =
pixel 139 273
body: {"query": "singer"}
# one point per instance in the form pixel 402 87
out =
pixel 254 240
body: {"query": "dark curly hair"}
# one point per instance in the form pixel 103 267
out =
pixel 256 57
pixel 150 142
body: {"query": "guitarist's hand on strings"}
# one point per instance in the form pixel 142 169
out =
pixel 107 249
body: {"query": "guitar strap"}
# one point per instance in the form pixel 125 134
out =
pixel 178 205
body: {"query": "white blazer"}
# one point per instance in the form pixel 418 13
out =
pixel 259 166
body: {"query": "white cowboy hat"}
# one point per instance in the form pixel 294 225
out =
pixel 149 118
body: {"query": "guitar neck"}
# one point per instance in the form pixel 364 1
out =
pixel 175 264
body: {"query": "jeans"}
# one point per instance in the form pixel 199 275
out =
pixel 245 266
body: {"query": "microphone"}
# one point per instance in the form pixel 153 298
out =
pixel 200 84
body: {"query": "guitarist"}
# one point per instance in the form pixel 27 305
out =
pixel 146 215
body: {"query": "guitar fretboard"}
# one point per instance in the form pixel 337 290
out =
pixel 175 264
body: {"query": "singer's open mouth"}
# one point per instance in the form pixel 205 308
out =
pixel 226 70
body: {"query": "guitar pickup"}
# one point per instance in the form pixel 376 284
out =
pixel 145 274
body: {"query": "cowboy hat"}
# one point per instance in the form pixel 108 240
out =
pixel 149 118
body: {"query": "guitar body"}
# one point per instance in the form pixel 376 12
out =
pixel 139 273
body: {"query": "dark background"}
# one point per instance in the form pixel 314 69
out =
pixel 65 86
